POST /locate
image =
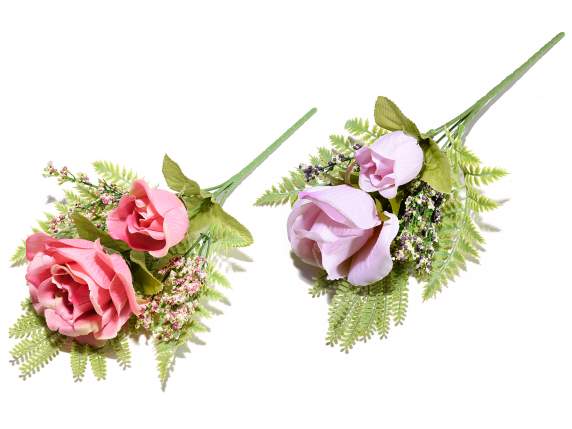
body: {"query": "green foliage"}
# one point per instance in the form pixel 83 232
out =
pixel 342 144
pixel 436 168
pixel 285 192
pixel 222 227
pixel 143 280
pixel 98 363
pixel 177 180
pixel 477 176
pixel 113 173
pixel 88 231
pixel 357 313
pixel 79 354
pixel 19 256
pixel 388 116
pixel 361 130
pixel 45 349
pixel 28 324
pixel 120 345
pixel 165 355
pixel 460 239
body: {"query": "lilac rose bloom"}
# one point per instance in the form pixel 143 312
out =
pixel 338 229
pixel 393 160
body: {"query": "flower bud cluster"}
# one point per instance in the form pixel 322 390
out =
pixel 418 239
pixel 169 312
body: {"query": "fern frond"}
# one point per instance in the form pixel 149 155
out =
pixel 28 324
pixel 285 192
pixel 360 128
pixel 477 176
pixel 98 363
pixel 165 356
pixel 342 144
pixel 46 348
pixel 399 296
pixel 19 256
pixel 114 173
pixel 78 360
pixel 356 313
pixel 321 286
pixel 477 202
pixel 463 156
pixel 22 350
pixel 120 345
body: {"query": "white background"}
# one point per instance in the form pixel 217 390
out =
pixel 212 83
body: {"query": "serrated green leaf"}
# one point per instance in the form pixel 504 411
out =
pixel 98 363
pixel 389 116
pixel 436 168
pixel 143 280
pixel 19 256
pixel 177 180
pixel 78 360
pixel 88 231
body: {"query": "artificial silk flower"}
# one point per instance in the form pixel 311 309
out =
pixel 391 161
pixel 338 229
pixel 387 203
pixel 124 259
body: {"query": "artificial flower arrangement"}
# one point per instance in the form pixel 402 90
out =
pixel 123 259
pixel 385 204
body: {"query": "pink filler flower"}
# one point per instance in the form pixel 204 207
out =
pixel 393 160
pixel 80 290
pixel 149 220
pixel 338 228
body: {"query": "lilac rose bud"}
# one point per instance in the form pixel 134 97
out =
pixel 393 160
pixel 338 229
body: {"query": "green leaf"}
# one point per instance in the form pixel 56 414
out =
pixel 78 360
pixel 19 256
pixel 98 363
pixel 176 179
pixel 388 116
pixel 114 173
pixel 143 281
pixel 437 169
pixel 120 346
pixel 88 231
pixel 222 225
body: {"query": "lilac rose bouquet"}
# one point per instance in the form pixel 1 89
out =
pixel 386 203
pixel 122 258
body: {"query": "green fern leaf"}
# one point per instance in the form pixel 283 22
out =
pixel 361 129
pixel 399 295
pixel 19 256
pixel 285 192
pixel 98 363
pixel 477 202
pixel 78 360
pixel 120 345
pixel 114 173
pixel 477 176
pixel 28 324
pixel 165 356
pixel 342 144
pixel 46 348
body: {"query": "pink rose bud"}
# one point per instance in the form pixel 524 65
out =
pixel 393 160
pixel 149 220
pixel 338 229
pixel 81 291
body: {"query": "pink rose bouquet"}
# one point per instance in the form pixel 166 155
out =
pixel 386 203
pixel 121 259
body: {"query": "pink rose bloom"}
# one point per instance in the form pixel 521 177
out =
pixel 149 220
pixel 338 229
pixel 393 160
pixel 80 290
